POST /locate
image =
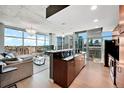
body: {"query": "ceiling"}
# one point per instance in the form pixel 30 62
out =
pixel 53 9
pixel 80 17
pixel 71 19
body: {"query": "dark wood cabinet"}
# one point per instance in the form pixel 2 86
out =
pixel 60 72
pixel 120 64
pixel 79 62
pixel 120 75
pixel 70 72
pixel 64 72
pixel 65 65
pixel 119 34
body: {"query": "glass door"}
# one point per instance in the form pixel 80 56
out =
pixel 94 49
pixel 82 41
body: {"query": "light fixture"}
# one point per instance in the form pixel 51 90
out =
pixel 63 35
pixel 94 7
pixel 31 31
pixel 63 23
pixel 95 20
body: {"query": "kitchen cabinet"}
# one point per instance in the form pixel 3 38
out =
pixel 65 67
pixel 120 64
pixel 121 14
pixel 120 75
pixel 119 33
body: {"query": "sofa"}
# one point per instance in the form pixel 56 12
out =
pixel 24 70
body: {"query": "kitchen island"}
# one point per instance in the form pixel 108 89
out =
pixel 65 65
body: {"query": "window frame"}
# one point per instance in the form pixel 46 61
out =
pixel 23 37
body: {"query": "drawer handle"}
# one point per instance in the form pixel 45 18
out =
pixel 119 69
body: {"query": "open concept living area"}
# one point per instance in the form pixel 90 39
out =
pixel 61 46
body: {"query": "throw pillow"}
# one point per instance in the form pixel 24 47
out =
pixel 4 54
pixel 10 55
pixel 2 63
pixel 1 56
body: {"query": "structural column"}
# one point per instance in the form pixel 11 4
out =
pixel 2 37
pixel 52 40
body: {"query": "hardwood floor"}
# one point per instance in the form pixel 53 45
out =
pixel 94 75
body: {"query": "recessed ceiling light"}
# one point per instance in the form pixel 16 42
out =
pixel 94 7
pixel 96 27
pixel 95 20
pixel 63 23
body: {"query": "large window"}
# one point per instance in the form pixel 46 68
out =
pixel 83 35
pixel 107 35
pixel 82 41
pixel 46 40
pixel 41 37
pixel 13 37
pixel 40 40
pixel 95 42
pixel 11 41
pixel 27 35
pixel 21 38
pixel 59 42
pixel 29 40
pixel 13 33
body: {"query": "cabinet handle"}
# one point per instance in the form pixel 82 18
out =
pixel 119 69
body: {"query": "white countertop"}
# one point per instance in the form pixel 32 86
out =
pixel 68 58
pixel 54 51
pixel 83 52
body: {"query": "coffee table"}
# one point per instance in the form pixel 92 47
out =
pixel 39 60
